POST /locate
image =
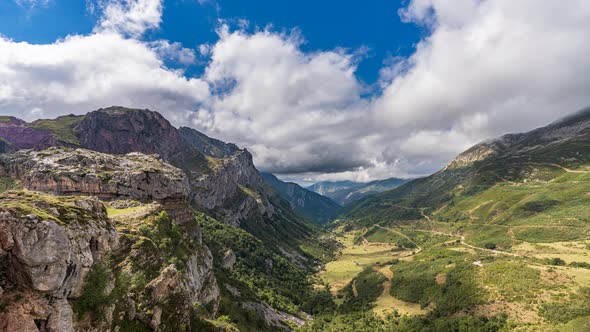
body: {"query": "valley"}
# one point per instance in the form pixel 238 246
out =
pixel 184 233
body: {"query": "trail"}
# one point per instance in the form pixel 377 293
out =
pixel 421 210
pixel 385 303
pixel 403 235
pixel 354 290
pixel 559 166
pixel 462 241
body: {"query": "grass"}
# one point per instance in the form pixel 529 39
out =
pixel 543 234
pixel 7 183
pixel 353 259
pixel 62 127
pixel 26 202
pixel 250 192
pixel 4 118
pixel 513 280
pixel 113 212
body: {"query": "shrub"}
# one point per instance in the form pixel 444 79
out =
pixel 490 245
pixel 556 261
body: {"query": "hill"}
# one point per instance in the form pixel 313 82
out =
pixel 497 240
pixel 312 206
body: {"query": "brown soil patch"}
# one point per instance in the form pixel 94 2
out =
pixel 441 279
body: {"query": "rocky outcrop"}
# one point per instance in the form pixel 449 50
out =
pixel 83 172
pixel 229 259
pixel 271 317
pixel 232 176
pixel 21 136
pixel 50 246
pixel 66 171
pixel 206 145
pixel 120 130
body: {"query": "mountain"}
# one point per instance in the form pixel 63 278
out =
pixel 478 246
pixel 346 192
pixel 326 188
pixel 534 157
pixel 312 206
pixel 117 220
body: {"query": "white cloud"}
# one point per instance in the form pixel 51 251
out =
pixel 130 17
pixel 173 51
pixel 82 73
pixel 485 68
pixel 284 104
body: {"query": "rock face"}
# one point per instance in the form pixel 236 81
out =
pixel 50 245
pixel 68 171
pixel 232 176
pixel 208 146
pixel 216 172
pixel 21 136
pixel 83 172
pixel 119 130
pixel 312 206
pixel 229 259
pixel 271 317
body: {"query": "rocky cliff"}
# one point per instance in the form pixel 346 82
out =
pixel 48 246
pixel 160 186
pixel 310 205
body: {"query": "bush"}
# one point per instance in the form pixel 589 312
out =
pixel 583 265
pixel 490 245
pixel 556 261
pixel 94 293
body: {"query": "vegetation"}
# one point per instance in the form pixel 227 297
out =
pixel 62 127
pixel 24 202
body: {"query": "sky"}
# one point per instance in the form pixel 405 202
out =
pixel 315 90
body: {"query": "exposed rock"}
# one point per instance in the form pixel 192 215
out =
pixel 208 146
pixel 131 310
pixel 61 317
pixel 21 136
pixel 228 179
pixel 22 309
pixel 197 283
pixel 131 177
pixel 85 172
pixel 119 130
pixel 229 259
pixel 166 283
pixel 272 318
pixel 156 318
pixel 199 280
pixel 233 290
pixel 50 255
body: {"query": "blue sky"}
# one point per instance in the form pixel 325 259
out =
pixel 316 90
pixel 374 25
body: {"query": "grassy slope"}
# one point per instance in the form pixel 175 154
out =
pixel 62 127
pixel 517 230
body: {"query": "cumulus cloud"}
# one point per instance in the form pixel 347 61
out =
pixel 85 72
pixel 485 68
pixel 295 111
pixel 130 17
pixel 490 67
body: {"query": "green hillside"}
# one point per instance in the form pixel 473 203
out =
pixel 499 240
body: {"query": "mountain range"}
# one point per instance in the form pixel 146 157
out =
pixel 346 192
pixel 117 221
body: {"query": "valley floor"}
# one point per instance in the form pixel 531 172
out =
pixel 539 286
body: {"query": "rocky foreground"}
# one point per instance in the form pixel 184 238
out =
pixel 101 229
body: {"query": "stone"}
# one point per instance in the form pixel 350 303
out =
pixel 229 259
pixel 61 317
